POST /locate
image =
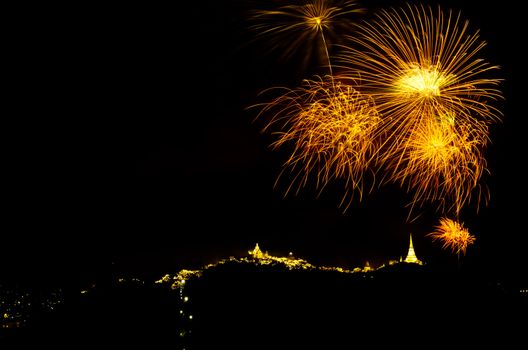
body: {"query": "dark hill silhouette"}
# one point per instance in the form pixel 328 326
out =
pixel 250 306
pixel 234 305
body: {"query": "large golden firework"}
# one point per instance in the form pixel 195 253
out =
pixel 330 129
pixel 453 235
pixel 435 97
pixel 306 29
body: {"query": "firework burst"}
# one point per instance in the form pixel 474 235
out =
pixel 442 162
pixel 453 235
pixel 308 29
pixel 330 129
pixel 435 97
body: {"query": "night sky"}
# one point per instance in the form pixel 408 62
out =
pixel 129 142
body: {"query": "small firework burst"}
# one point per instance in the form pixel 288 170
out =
pixel 306 29
pixel 453 235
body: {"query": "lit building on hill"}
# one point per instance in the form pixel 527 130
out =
pixel 411 256
pixel 256 253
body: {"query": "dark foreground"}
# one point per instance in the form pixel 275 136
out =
pixel 246 306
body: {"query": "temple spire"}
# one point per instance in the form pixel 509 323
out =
pixel 411 256
pixel 256 253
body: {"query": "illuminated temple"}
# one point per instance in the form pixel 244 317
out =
pixel 256 253
pixel 260 258
pixel 411 256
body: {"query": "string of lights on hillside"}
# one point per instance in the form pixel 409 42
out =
pixel 258 257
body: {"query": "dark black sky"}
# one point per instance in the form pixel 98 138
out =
pixel 128 141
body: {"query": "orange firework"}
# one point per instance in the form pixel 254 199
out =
pixel 442 162
pixel 435 97
pixel 307 29
pixel 453 235
pixel 331 128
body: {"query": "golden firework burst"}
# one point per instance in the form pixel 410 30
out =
pixel 441 162
pixel 435 97
pixel 330 128
pixel 453 235
pixel 306 29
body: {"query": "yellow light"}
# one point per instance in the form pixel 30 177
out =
pixel 316 22
pixel 6 315
pixel 269 260
pixel 421 80
pixel 186 299
pixel 190 317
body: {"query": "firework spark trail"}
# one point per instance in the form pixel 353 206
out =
pixel 330 127
pixel 443 163
pixel 421 68
pixel 303 29
pixel 453 235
